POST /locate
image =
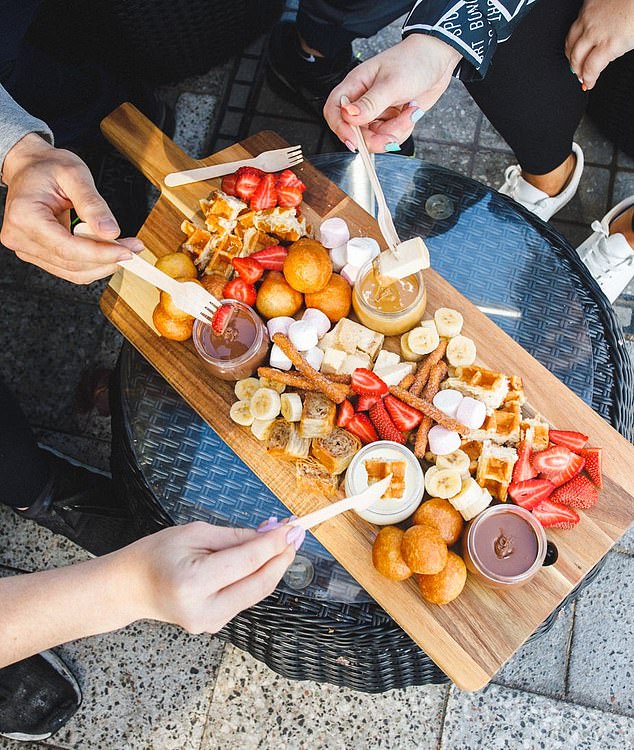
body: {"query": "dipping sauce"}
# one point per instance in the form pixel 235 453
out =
pixel 391 309
pixel 504 546
pixel 239 350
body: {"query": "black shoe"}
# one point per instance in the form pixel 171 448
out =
pixel 82 506
pixel 304 80
pixel 37 697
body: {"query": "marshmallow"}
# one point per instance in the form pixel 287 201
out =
pixel 314 357
pixel 350 273
pixel 448 401
pixel 471 413
pixel 303 335
pixel 318 319
pixel 338 257
pixel 443 441
pixel 333 232
pixel 278 359
pixel 281 324
pixel 360 250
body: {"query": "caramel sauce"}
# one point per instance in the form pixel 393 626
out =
pixel 387 295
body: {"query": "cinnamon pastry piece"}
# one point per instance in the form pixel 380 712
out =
pixel 318 416
pixel 285 442
pixel 336 450
pixel 313 478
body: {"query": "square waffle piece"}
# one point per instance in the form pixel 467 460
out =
pixel 378 469
pixel 502 426
pixel 535 432
pixel 495 468
pixel 488 386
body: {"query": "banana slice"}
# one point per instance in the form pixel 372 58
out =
pixel 265 404
pixel 428 475
pixel 461 351
pixel 448 322
pixel 291 406
pixel 423 340
pixel 469 493
pixel 406 353
pixel 268 383
pixel 240 412
pixel 261 428
pixel 245 388
pixel 477 506
pixel 444 483
pixel 457 460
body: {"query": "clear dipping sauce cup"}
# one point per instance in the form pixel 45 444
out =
pixel 240 349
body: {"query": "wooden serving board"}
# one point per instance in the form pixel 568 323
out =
pixel 471 638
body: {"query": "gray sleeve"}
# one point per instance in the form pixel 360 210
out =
pixel 15 123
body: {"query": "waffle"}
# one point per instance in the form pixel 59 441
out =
pixel 502 425
pixel 535 431
pixel 488 386
pixel 473 449
pixel 379 468
pixel 495 468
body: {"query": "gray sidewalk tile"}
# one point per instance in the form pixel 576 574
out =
pixel 194 123
pixel 44 283
pixel 490 138
pixel 500 719
pixel 624 160
pixel 596 148
pixel 252 707
pixel 14 745
pixel 270 103
pixel 603 642
pixel 451 157
pixel 90 451
pixel 489 167
pixel 623 186
pixel 626 542
pixel 454 118
pixel 592 197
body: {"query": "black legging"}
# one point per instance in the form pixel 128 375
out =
pixel 529 93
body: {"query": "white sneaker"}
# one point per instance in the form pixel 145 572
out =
pixel 609 257
pixel 536 200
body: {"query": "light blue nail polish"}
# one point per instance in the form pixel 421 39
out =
pixel 392 146
pixel 416 115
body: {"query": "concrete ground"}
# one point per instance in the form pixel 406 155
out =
pixel 153 686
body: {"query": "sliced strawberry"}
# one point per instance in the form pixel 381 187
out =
pixel 366 383
pixel 289 179
pixel 383 423
pixel 404 416
pixel 221 318
pixel 228 184
pixel 365 402
pixel 523 469
pixel 247 181
pixel 288 197
pixel 574 441
pixel 271 258
pixel 556 515
pixel 265 195
pixel 579 492
pixel 558 464
pixel 360 425
pixel 530 492
pixel 240 290
pixel 248 269
pixel 594 461
pixel 344 413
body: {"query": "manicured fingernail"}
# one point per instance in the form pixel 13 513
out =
pixel 416 115
pixel 108 225
pixel 269 525
pixel 392 146
pixel 572 71
pixel 296 536
pixel 352 109
pixel 351 146
pixel 584 87
pixel 136 246
pixel 124 256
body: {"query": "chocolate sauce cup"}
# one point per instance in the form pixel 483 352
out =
pixel 488 546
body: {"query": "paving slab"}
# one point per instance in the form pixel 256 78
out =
pixel 253 707
pixel 498 718
pixel 603 641
pixel 623 187
pixel 293 131
pixel 195 115
pixel 454 118
pixel 44 283
pixel 456 158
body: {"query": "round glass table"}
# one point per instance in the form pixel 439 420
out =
pixel 320 624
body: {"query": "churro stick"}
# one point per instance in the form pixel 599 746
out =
pixel 292 379
pixel 422 374
pixel 438 372
pixel 430 410
pixel 336 392
pixel 336 378
pixel 420 445
pixel 407 381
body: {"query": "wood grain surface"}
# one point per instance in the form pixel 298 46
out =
pixel 471 638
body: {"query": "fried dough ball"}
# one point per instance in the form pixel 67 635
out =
pixel 214 283
pixel 334 299
pixel 444 587
pixel 177 265
pixel 386 554
pixel 276 296
pixel 167 303
pixel 307 267
pixel 443 516
pixel 172 328
pixel 424 550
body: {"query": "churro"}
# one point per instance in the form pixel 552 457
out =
pixel 424 369
pixel 407 381
pixel 430 411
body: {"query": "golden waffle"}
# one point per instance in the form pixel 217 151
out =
pixel 516 391
pixel 495 468
pixel 224 206
pixel 473 449
pixel 535 431
pixel 282 222
pixel 379 468
pixel 502 425
pixel 488 386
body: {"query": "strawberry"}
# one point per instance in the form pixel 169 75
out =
pixel 220 319
pixel 365 402
pixel 360 425
pixel 344 413
pixel 574 441
pixel 228 184
pixel 265 195
pixel 383 423
pixel 558 464
pixel 366 383
pixel 530 492
pixel 593 458
pixel 404 416
pixel 271 258
pixel 523 468
pixel 248 269
pixel 289 179
pixel 288 197
pixel 240 290
pixel 247 182
pixel 556 515
pixel 579 492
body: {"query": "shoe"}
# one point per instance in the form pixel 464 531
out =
pixel 82 505
pixel 38 696
pixel 306 81
pixel 535 200
pixel 609 257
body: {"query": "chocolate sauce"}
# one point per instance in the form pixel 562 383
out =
pixel 505 545
pixel 236 339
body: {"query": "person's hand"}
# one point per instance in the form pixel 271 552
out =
pixel 200 576
pixel 43 184
pixel 388 91
pixel 603 31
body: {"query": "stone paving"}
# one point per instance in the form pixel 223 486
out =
pixel 153 686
